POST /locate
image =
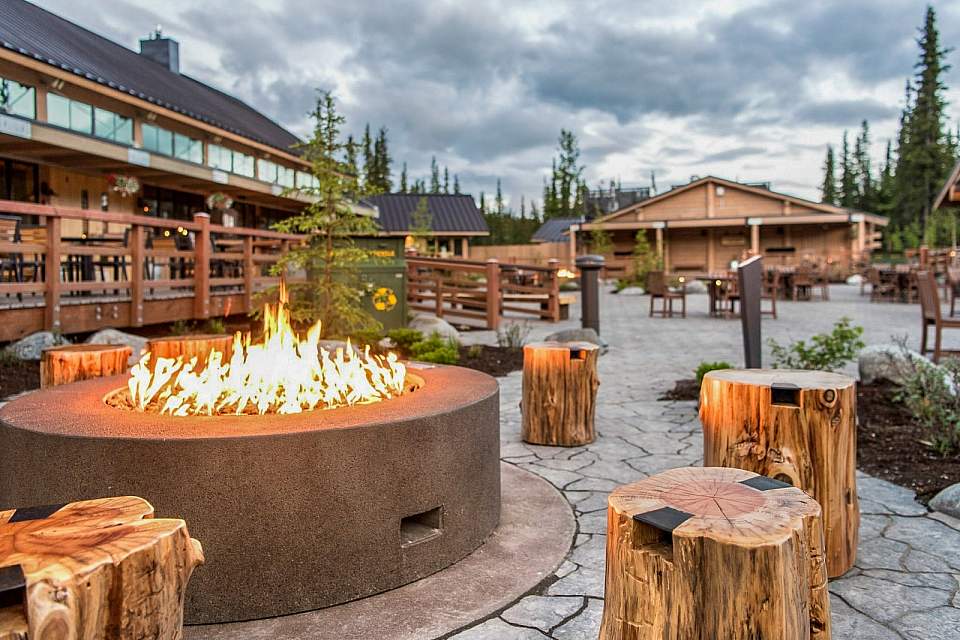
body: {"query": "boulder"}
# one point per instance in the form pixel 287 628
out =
pixel 428 325
pixel 855 279
pixel 948 501
pixel 696 286
pixel 112 336
pixel 579 335
pixel 30 347
pixel 889 362
pixel 631 291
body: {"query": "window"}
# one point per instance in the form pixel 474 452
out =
pixel 243 164
pixel 186 148
pixel 267 171
pixel 17 99
pixel 157 140
pixel 285 177
pixel 112 126
pixel 307 180
pixel 219 157
pixel 69 114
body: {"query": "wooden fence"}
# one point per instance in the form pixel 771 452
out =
pixel 476 292
pixel 528 254
pixel 146 270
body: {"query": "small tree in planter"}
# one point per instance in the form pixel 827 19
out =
pixel 334 291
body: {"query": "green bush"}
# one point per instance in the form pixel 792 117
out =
pixel 181 328
pixel 405 338
pixel 932 394
pixel 216 325
pixel 706 367
pixel 436 349
pixel 826 351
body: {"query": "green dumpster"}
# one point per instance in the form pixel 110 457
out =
pixel 385 280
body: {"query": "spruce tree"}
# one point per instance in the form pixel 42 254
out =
pixel 456 184
pixel 828 190
pixel 848 178
pixel 446 180
pixel 382 182
pixel 864 172
pixel 499 199
pixel 350 151
pixel 403 179
pixel 434 175
pixel 369 169
pixel 483 204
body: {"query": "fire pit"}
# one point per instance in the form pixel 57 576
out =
pixel 295 511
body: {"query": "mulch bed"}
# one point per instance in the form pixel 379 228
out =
pixel 889 441
pixel 496 361
pixel 17 376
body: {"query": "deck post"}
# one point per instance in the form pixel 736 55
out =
pixel 51 315
pixel 248 268
pixel 493 294
pixel 137 273
pixel 438 295
pixel 201 269
pixel 554 301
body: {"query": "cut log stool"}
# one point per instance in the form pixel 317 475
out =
pixel 70 363
pixel 559 393
pixel 94 569
pixel 796 426
pixel 712 552
pixel 192 346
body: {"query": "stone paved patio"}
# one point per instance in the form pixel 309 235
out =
pixel 907 575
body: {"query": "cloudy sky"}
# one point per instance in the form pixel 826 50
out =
pixel 743 89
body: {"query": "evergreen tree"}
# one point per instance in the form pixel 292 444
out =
pixel 456 184
pixel 368 162
pixel 864 173
pixel 381 181
pixel 350 151
pixel 884 200
pixel 498 202
pixel 403 179
pixel 434 175
pixel 924 154
pixel 421 224
pixel 523 207
pixel 828 191
pixel 849 193
pixel 483 203
pixel 565 197
pixel 446 180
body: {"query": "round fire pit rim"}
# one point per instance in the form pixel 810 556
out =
pixel 444 388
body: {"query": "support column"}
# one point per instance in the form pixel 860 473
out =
pixel 465 248
pixel 754 237
pixel 573 245
pixel 710 251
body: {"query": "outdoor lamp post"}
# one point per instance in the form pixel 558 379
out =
pixel 590 267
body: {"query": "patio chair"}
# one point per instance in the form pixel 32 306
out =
pixel 821 280
pixel 881 288
pixel 770 291
pixel 729 297
pixel 11 264
pixel 659 290
pixel 931 315
pixel 803 284
pixel 953 287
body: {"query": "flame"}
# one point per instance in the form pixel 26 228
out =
pixel 281 374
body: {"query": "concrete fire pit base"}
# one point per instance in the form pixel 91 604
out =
pixel 294 512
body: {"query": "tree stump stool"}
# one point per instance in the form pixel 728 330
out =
pixel 193 346
pixel 559 393
pixel 70 363
pixel 95 569
pixel 796 426
pixel 713 552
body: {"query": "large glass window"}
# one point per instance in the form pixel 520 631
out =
pixel 187 148
pixel 157 139
pixel 307 180
pixel 243 164
pixel 69 114
pixel 17 99
pixel 285 177
pixel 112 126
pixel 219 157
pixel 267 171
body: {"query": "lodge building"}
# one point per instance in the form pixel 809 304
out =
pixel 703 226
pixel 76 109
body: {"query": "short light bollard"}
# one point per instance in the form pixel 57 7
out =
pixel 590 267
pixel 711 552
pixel 796 426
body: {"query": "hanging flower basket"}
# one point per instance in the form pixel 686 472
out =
pixel 124 185
pixel 219 200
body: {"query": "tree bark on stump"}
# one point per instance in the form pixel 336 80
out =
pixel 796 426
pixel 559 393
pixel 711 552
pixel 95 569
pixel 61 365
pixel 192 346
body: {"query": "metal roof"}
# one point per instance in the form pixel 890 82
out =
pixel 29 30
pixel 553 230
pixel 450 213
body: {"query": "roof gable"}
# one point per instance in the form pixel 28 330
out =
pixel 554 230
pixel 451 213
pixel 944 192
pixel 30 30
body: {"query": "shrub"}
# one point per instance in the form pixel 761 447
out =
pixel 826 351
pixel 216 325
pixel 180 328
pixel 930 393
pixel 475 350
pixel 405 338
pixel 436 349
pixel 514 336
pixel 706 367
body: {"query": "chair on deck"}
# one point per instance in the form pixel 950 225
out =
pixel 658 289
pixel 932 316
pixel 770 291
pixel 803 283
pixel 729 297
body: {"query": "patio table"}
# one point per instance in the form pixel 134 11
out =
pixel 716 285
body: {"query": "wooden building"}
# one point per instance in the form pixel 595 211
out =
pixel 77 109
pixel 452 221
pixel 949 195
pixel 703 226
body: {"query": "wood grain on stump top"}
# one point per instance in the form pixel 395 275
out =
pixel 802 378
pixel 94 569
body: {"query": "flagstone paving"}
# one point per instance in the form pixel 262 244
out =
pixel 906 580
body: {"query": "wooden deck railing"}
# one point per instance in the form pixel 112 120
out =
pixel 481 292
pixel 139 270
